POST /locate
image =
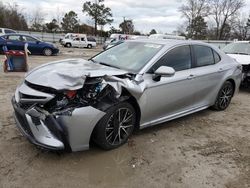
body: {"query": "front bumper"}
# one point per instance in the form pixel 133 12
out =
pixel 61 132
pixel 34 129
pixel 55 51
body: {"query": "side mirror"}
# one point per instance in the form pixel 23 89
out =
pixel 37 42
pixel 163 71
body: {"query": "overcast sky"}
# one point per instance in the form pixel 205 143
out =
pixel 161 15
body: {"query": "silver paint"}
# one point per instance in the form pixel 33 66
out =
pixel 185 92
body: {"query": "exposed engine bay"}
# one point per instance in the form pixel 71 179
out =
pixel 93 93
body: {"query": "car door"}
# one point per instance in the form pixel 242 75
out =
pixel 170 95
pixel 14 42
pixel 33 45
pixel 207 75
pixel 76 42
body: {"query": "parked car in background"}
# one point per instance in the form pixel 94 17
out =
pixel 136 84
pixel 240 51
pixel 163 36
pixel 114 38
pixel 105 47
pixel 4 31
pixel 35 45
pixel 79 41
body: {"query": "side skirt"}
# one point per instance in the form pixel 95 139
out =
pixel 173 116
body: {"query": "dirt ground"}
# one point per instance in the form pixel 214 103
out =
pixel 206 149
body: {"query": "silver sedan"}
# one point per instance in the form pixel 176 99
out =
pixel 64 105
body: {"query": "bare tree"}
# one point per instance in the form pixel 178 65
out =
pixel 12 17
pixel 191 10
pixel 37 19
pixel 224 13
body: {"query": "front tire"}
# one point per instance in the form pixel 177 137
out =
pixel 47 52
pixel 224 97
pixel 89 46
pixel 114 129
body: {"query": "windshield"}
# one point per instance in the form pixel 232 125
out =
pixel 237 48
pixel 130 56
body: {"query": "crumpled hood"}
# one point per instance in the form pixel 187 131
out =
pixel 242 59
pixel 69 74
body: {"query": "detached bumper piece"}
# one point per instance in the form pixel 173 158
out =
pixel 40 129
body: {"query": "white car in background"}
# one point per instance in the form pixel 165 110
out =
pixel 80 41
pixel 4 31
pixel 240 51
pixel 164 36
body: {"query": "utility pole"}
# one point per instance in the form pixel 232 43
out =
pixel 124 22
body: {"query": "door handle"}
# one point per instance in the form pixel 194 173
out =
pixel 190 77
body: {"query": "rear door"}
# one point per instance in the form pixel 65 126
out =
pixel 15 42
pixel 207 75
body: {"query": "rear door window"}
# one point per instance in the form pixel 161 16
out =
pixel 9 31
pixel 204 55
pixel 14 37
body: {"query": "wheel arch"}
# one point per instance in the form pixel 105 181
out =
pixel 233 83
pixel 132 100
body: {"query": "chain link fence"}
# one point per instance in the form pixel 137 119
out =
pixel 55 37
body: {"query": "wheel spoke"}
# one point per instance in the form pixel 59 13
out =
pixel 109 136
pixel 114 139
pixel 126 126
pixel 125 115
pixel 128 118
pixel 124 131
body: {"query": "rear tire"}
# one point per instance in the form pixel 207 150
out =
pixel 47 52
pixel 114 129
pixel 224 96
pixel 68 45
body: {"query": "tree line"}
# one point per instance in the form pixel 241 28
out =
pixel 214 19
pixel 204 19
pixel 12 17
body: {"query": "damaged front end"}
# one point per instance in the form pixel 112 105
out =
pixel 64 119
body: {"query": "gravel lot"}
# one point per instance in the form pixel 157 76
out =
pixel 206 149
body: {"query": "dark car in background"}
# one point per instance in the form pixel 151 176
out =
pixel 36 46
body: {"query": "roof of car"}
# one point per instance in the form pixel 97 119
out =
pixel 170 42
pixel 17 34
pixel 246 41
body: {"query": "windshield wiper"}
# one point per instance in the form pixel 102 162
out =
pixel 101 63
pixel 93 60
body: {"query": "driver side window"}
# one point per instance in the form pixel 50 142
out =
pixel 178 58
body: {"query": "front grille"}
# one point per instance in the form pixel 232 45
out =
pixel 25 106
